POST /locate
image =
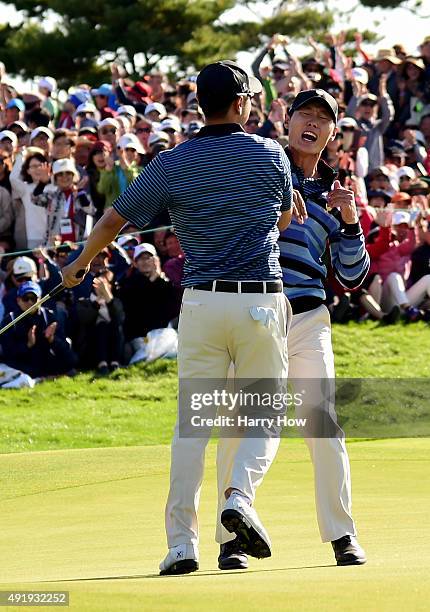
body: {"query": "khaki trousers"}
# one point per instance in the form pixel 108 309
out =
pixel 216 329
pixel 310 356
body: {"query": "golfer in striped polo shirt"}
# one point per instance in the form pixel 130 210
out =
pixel 227 192
pixel 330 231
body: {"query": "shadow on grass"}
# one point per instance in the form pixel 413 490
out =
pixel 191 575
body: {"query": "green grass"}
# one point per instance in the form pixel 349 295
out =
pixel 91 522
pixel 137 405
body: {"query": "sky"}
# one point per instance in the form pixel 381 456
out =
pixel 393 25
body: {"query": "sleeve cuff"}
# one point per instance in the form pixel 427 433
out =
pixel 351 228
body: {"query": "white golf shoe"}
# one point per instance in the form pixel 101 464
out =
pixel 181 559
pixel 240 518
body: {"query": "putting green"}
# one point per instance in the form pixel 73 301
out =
pixel 91 522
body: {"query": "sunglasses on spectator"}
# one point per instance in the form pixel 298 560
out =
pixel 22 279
pixel 29 297
pixel 143 130
pixel 108 130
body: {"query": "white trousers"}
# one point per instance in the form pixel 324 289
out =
pixel 216 329
pixel 310 356
pixel 394 291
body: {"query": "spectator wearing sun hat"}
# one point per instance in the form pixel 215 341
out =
pixel 128 111
pixel 149 298
pixel 14 111
pixel 36 345
pixel 386 62
pixel 47 88
pixel 108 130
pixel 42 138
pixel 67 207
pixel 102 96
pixel 8 142
pixel 156 112
pixel 118 174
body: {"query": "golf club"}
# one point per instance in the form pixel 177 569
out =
pixel 55 291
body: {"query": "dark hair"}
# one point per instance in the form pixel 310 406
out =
pixel 39 116
pixel 7 162
pixel 24 172
pixel 62 133
pixel 213 111
pixel 424 117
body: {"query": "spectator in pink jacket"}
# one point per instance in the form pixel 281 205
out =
pixel 394 268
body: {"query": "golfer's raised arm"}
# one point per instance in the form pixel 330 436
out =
pixel 143 199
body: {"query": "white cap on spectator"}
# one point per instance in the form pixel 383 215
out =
pixel 64 165
pixel 406 171
pixel 122 240
pixel 85 107
pixel 159 136
pixel 24 265
pixel 130 141
pixel 156 106
pixel 20 124
pixel 145 247
pixel 109 121
pixel 347 122
pixel 11 135
pixel 48 83
pixel 127 109
pixel 171 123
pixel 41 130
pixel 361 75
pixel 401 217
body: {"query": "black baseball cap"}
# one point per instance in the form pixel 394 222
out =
pixel 221 82
pixel 315 95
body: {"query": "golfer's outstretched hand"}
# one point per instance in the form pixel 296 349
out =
pixel 74 273
pixel 300 213
pixel 343 199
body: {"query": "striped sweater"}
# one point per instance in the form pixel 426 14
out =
pixel 305 248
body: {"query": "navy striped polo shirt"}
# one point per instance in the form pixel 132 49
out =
pixel 225 190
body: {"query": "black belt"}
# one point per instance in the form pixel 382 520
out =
pixel 241 286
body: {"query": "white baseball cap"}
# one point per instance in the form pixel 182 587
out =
pixel 48 83
pixel 361 75
pixel 171 123
pixel 24 266
pixel 401 217
pixel 122 240
pixel 127 109
pixel 41 130
pixel 145 247
pixel 406 171
pixel 64 165
pixel 85 107
pixel 130 141
pixel 109 121
pixel 10 135
pixel 347 122
pixel 159 136
pixel 156 106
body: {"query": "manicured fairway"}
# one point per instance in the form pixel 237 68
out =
pixel 91 521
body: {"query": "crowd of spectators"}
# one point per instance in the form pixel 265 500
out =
pixel 63 164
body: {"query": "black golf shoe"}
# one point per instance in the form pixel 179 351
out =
pixel 348 551
pixel 231 556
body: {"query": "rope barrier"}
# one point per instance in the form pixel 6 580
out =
pixel 24 251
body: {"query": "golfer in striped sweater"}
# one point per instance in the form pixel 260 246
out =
pixel 331 230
